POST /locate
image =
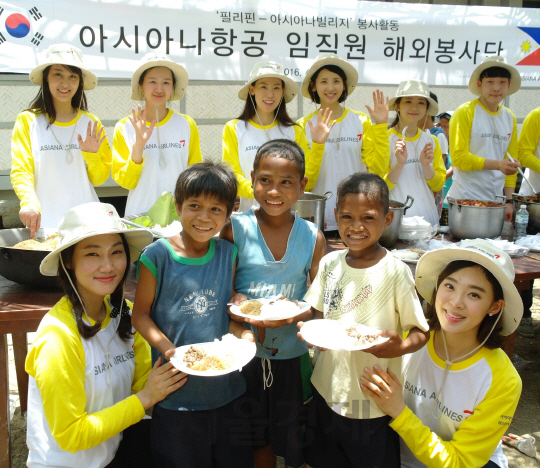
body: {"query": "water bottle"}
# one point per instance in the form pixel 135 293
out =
pixel 522 219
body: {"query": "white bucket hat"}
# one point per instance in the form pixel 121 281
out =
pixel 153 59
pixel 88 220
pixel 495 61
pixel 331 59
pixel 64 54
pixel 269 70
pixel 485 254
pixel 414 88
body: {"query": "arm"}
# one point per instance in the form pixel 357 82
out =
pixel 232 158
pixel 396 346
pixel 318 253
pixel 392 176
pixel 96 151
pixel 195 155
pixel 375 144
pixel 125 172
pixel 528 141
pixel 313 155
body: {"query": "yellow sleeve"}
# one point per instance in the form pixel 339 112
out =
pixel 195 155
pixel 56 361
pixel 528 141
pixel 437 182
pixel 143 362
pixel 98 164
pixel 313 156
pixel 376 147
pixel 124 171
pixel 231 157
pixel 476 438
pixel 511 180
pixel 460 135
pixel 22 163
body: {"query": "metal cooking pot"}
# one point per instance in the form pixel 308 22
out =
pixel 534 212
pixel 391 233
pixel 471 222
pixel 311 207
pixel 22 266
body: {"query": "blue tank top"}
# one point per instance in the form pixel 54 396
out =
pixel 190 307
pixel 259 275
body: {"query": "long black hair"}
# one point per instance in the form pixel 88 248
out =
pixel 88 331
pixel 43 102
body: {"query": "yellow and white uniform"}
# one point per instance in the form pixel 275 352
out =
pixel 477 404
pixel 477 134
pixel 241 142
pixel 354 145
pixel 159 171
pixel 45 176
pixel 382 296
pixel 411 180
pixel 529 151
pixel 74 417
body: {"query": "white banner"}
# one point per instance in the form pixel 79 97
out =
pixel 222 40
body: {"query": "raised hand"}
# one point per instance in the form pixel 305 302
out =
pixel 401 152
pixel 379 113
pixel 320 132
pixel 93 139
pixel 427 155
pixel 142 132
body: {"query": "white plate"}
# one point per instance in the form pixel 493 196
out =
pixel 243 350
pixel 331 334
pixel 406 260
pixel 304 306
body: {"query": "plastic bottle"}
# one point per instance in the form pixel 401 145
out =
pixel 522 219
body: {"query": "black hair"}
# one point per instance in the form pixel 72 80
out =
pixel 143 74
pixel 334 69
pixel 209 179
pixel 43 103
pixel 396 118
pixel 495 340
pixel 280 113
pixel 87 331
pixel 282 148
pixel 370 185
pixel 495 72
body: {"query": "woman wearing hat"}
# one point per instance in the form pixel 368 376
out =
pixel 90 376
pixel 416 163
pixel 355 143
pixel 149 157
pixel 483 134
pixel 265 118
pixel 461 390
pixel 58 149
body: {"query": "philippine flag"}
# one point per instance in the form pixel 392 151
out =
pixel 533 58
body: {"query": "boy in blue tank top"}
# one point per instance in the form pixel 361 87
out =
pixel 277 251
pixel 185 283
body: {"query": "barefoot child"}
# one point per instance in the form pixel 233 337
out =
pixel 461 390
pixel 345 427
pixel 184 285
pixel 277 251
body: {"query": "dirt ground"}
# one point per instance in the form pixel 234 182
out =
pixel 526 419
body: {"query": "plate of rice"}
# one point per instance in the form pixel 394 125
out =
pixel 408 255
pixel 341 336
pixel 271 308
pixel 215 358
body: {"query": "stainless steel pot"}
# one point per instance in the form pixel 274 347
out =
pixel 22 266
pixel 534 212
pixel 391 233
pixel 471 222
pixel 311 207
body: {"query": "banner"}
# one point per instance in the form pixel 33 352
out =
pixel 222 40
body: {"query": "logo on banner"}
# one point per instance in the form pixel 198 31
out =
pixel 533 57
pixel 18 25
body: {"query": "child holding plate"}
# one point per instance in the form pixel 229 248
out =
pixel 364 284
pixel 185 283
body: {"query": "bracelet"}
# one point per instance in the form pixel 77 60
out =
pixel 509 200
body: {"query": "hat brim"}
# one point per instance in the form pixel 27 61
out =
pixel 291 88
pixel 180 74
pixel 89 79
pixel 515 77
pixel 137 240
pixel 431 264
pixel 350 72
pixel 433 108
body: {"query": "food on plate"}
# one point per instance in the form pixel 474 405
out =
pixel 206 359
pixel 251 307
pixel 479 203
pixel 533 198
pixel 31 244
pixel 408 254
pixel 362 334
pixel 279 305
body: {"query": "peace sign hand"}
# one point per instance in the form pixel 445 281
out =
pixel 379 113
pixel 143 133
pixel 320 132
pixel 93 139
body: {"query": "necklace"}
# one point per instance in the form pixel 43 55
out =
pixel 267 132
pixel 67 148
